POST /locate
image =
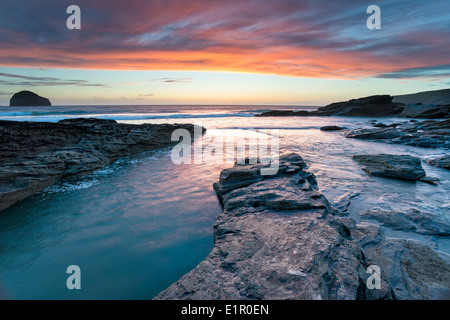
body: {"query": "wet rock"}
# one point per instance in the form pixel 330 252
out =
pixel 28 99
pixel 393 166
pixel 426 134
pixel 278 238
pixel 35 155
pixel 331 128
pixel 285 113
pixel 441 162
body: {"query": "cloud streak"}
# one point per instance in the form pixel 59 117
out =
pixel 11 80
pixel 173 80
pixel 325 39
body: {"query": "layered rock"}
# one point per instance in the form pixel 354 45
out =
pixel 28 99
pixel 435 97
pixel 35 155
pixel 410 220
pixel 393 166
pixel 441 162
pixel 373 106
pixel 331 128
pixel 426 112
pixel 278 238
pixel 378 106
pixel 427 134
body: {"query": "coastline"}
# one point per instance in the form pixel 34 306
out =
pixel 366 236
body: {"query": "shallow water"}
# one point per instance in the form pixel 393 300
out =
pixel 137 225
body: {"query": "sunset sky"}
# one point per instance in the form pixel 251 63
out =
pixel 222 52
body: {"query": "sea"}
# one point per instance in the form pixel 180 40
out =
pixel 137 225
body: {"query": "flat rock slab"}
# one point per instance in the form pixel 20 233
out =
pixel 393 166
pixel 414 270
pixel 279 238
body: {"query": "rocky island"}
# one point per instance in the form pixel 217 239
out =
pixel 35 155
pixel 28 99
pixel 426 134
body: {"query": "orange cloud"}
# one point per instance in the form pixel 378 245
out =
pixel 290 38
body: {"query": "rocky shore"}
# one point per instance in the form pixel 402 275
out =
pixel 426 134
pixel 373 106
pixel 279 238
pixel 403 167
pixel 34 155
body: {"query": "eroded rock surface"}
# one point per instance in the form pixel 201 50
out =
pixel 393 166
pixel 441 162
pixel 35 155
pixel 427 134
pixel 278 238
pixel 413 269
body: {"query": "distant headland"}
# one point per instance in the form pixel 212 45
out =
pixel 28 99
pixel 425 105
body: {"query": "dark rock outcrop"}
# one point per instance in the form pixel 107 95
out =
pixel 414 270
pixel 410 220
pixel 393 166
pixel 431 107
pixel 279 238
pixel 441 162
pixel 427 134
pixel 28 99
pixel 35 155
pixel 373 106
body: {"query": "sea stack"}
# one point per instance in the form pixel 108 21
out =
pixel 28 99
